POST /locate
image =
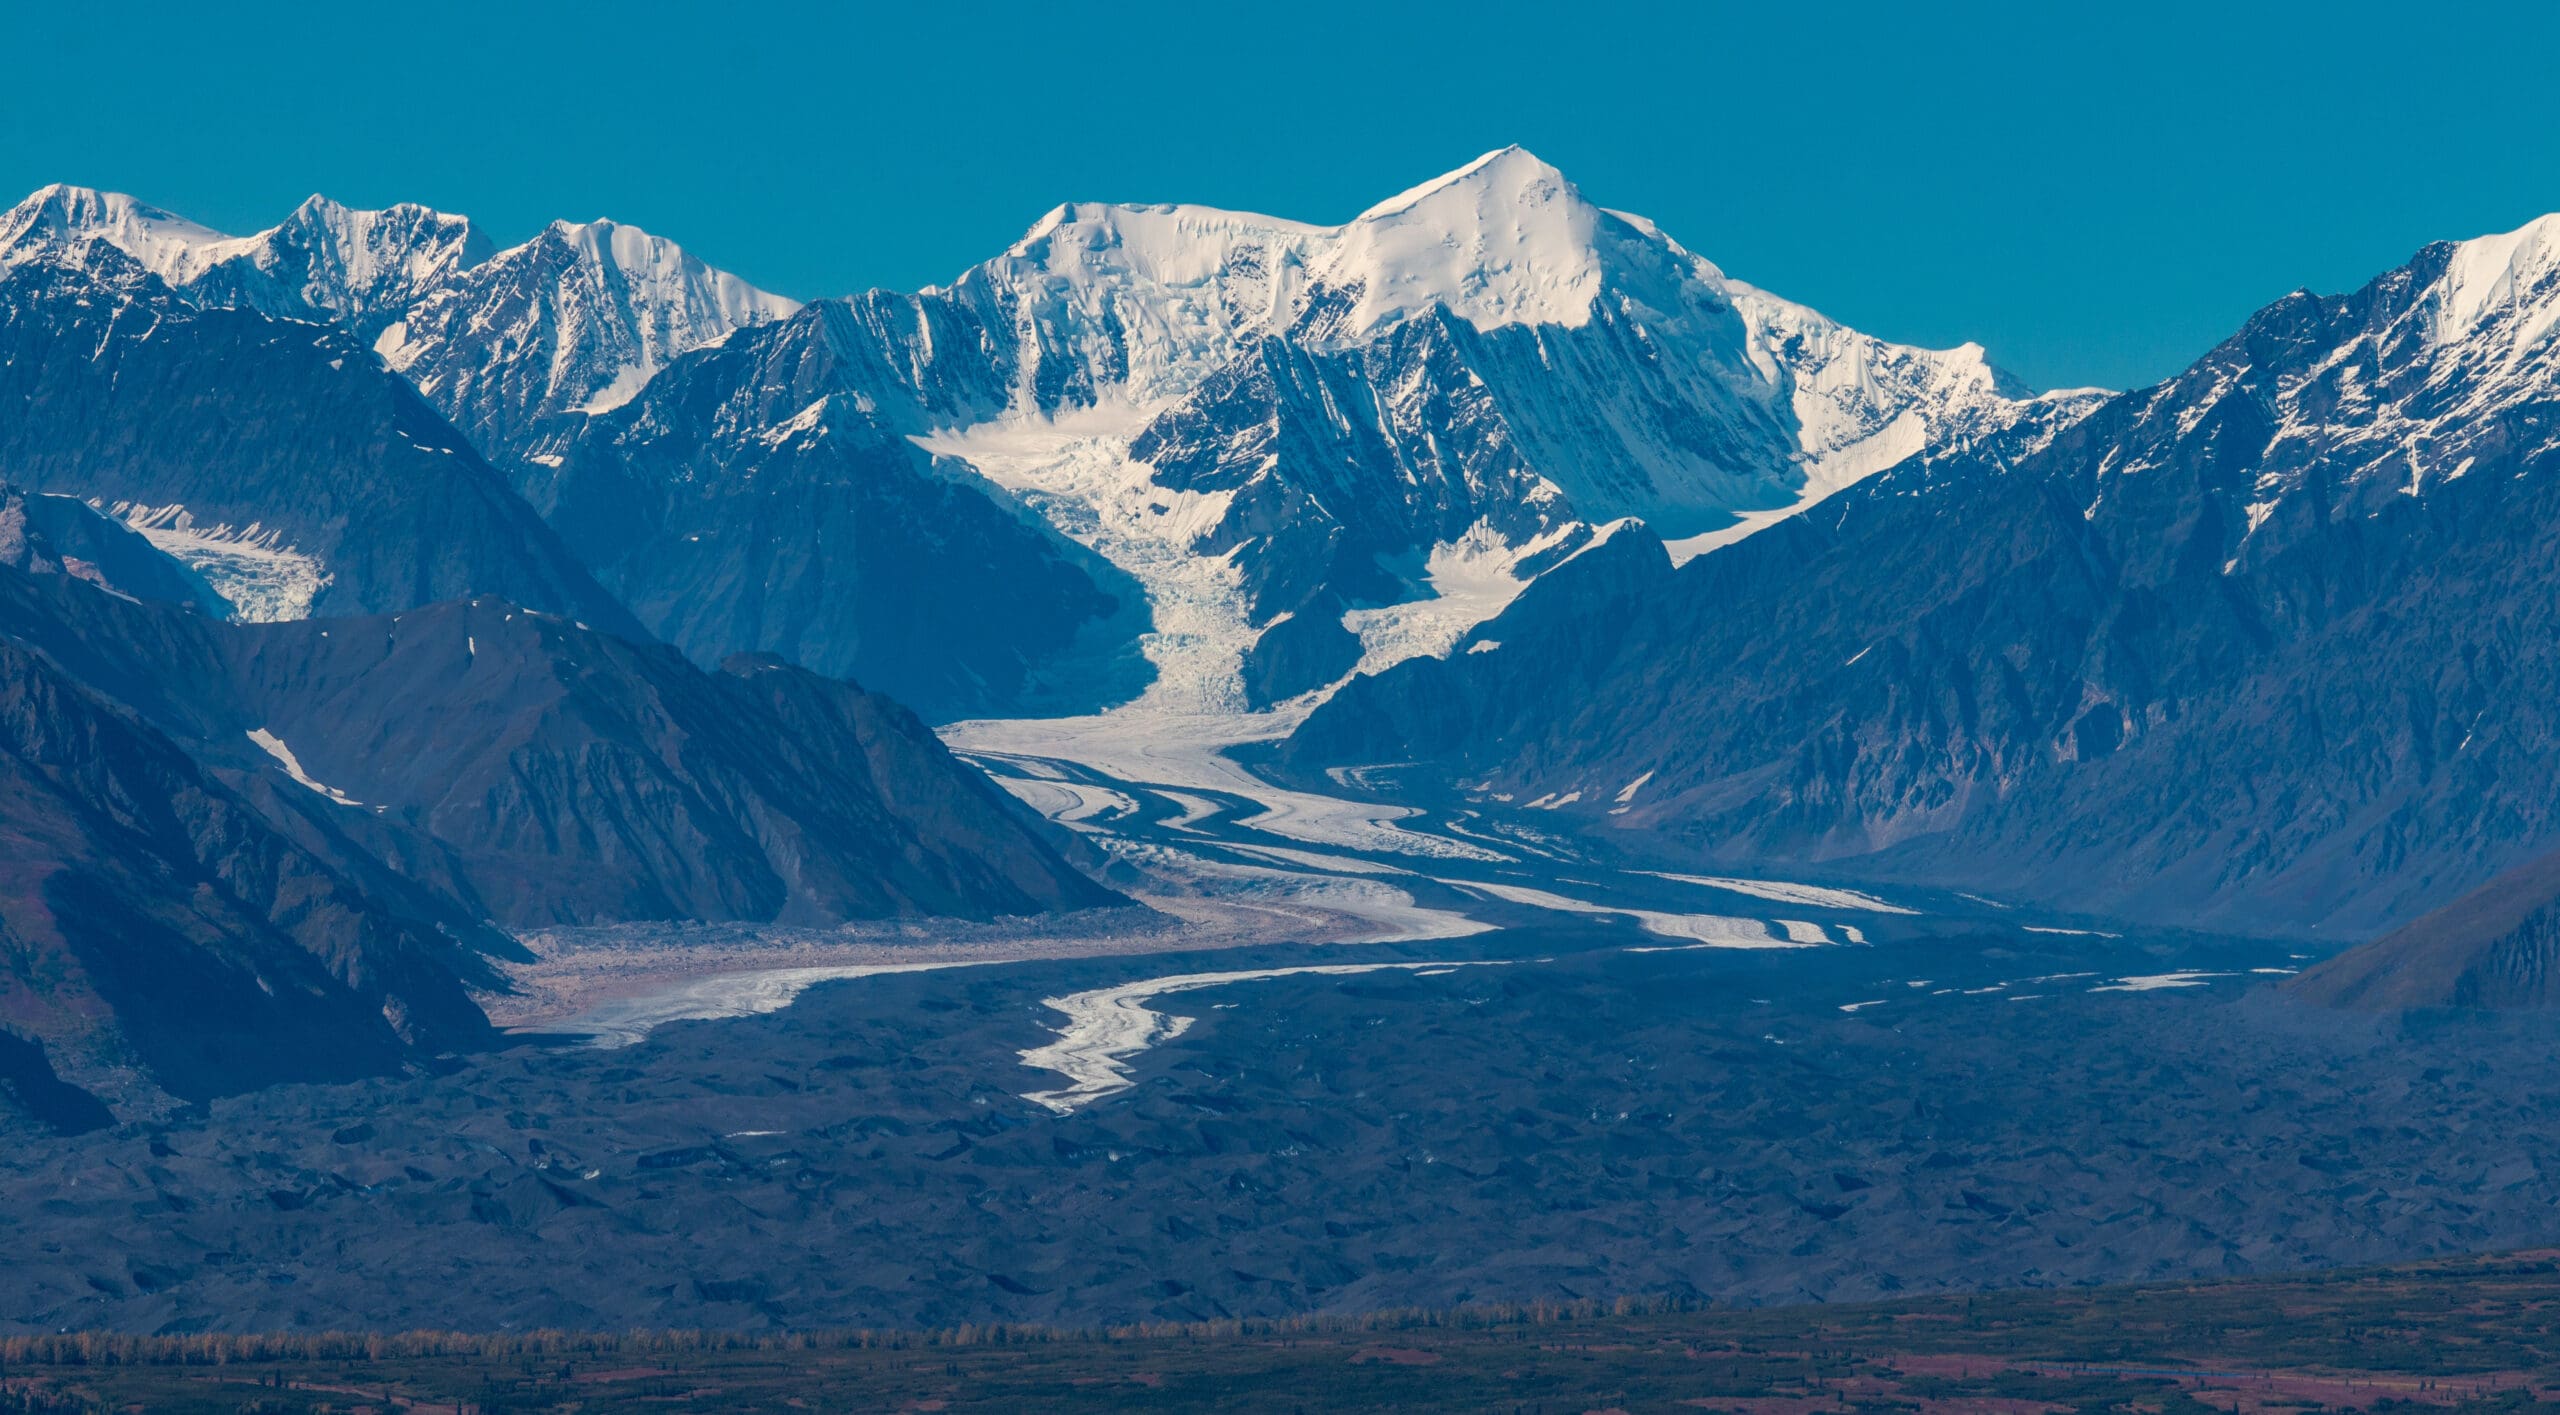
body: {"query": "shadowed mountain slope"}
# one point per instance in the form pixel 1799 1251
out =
pixel 2496 947
pixel 538 772
pixel 159 926
pixel 278 460
pixel 2254 649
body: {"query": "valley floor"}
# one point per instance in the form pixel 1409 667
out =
pixel 1459 1060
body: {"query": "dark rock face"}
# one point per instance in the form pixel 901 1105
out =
pixel 573 777
pixel 526 770
pixel 747 500
pixel 27 1078
pixel 1307 650
pixel 2251 649
pixel 60 535
pixel 154 922
pixel 283 447
pixel 1571 627
pixel 1341 460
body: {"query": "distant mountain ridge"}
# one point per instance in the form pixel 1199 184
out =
pixel 1219 462
pixel 500 340
pixel 278 460
pixel 1493 487
pixel 2245 650
pixel 1364 438
pixel 1242 455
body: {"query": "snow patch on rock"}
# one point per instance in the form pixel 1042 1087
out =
pixel 274 746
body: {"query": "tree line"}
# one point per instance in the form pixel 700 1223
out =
pixel 93 1348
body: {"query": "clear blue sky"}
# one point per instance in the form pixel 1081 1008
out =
pixel 2097 197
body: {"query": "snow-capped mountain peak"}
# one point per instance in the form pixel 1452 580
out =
pixel 516 346
pixel 361 266
pixel 2512 275
pixel 1137 303
pixel 1504 240
pixel 1267 423
pixel 1271 424
pixel 55 220
pixel 663 270
pixel 522 346
pixel 325 260
pixel 1165 242
pixel 1510 167
pixel 2340 409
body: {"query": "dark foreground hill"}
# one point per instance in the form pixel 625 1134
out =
pixel 542 772
pixel 238 854
pixel 2498 946
pixel 155 921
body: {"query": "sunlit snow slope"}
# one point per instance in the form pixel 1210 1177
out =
pixel 1323 449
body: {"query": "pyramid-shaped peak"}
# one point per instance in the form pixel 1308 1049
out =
pixel 1509 176
pixel 1503 240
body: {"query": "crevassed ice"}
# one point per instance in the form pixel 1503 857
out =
pixel 263 579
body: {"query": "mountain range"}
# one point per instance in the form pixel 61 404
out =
pixel 1223 457
pixel 2253 649
pixel 369 591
